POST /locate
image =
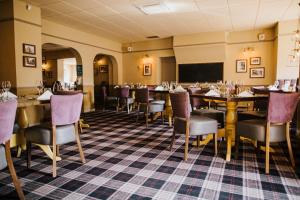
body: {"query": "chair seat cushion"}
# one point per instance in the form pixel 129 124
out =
pixel 156 107
pixel 130 100
pixel 3 163
pixel 255 129
pixel 214 114
pixel 109 98
pixel 199 125
pixel 42 134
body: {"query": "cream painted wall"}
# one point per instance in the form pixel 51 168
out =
pixel 285 45
pixel 134 61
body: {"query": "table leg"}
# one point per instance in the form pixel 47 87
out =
pixel 168 109
pixel 230 128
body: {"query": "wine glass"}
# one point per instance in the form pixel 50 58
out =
pixel 40 87
pixel 6 85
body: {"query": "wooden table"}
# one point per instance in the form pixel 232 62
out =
pixel 23 121
pixel 231 115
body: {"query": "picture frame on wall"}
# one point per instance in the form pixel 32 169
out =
pixel 258 72
pixel 29 61
pixel 103 68
pixel 241 66
pixel 255 60
pixel 29 49
pixel 147 70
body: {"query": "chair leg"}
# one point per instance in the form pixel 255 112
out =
pixel 172 141
pixel 146 116
pixel 237 145
pixel 28 146
pixel 198 141
pixel 57 150
pixel 267 149
pixel 162 117
pixel 12 171
pixel 54 151
pixel 216 143
pixel 78 143
pixel 186 146
pixel 288 140
pixel 138 112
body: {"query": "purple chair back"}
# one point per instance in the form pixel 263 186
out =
pixel 7 119
pixel 196 102
pixel 180 104
pixel 282 107
pixel 65 109
pixel 122 92
pixel 281 83
pixel 142 95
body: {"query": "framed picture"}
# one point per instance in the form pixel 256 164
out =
pixel 29 49
pixel 147 69
pixel 257 72
pixel 29 61
pixel 241 66
pixel 103 68
pixel 255 60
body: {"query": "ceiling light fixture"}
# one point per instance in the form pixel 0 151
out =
pixel 154 8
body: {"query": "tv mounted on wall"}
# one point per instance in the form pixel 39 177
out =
pixel 200 72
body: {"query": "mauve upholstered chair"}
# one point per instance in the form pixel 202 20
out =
pixel 123 98
pixel 65 116
pixel 276 126
pixel 190 125
pixel 147 106
pixel 7 119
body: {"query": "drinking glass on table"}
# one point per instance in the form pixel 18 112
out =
pixel 40 87
pixel 6 85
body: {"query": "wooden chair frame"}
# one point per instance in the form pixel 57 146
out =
pixel 55 148
pixel 146 113
pixel 12 171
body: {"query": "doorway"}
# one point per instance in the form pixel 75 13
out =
pixel 168 69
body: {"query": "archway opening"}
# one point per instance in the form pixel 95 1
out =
pixel 63 64
pixel 104 75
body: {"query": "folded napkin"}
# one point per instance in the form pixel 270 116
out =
pixel 273 88
pixel 159 88
pixel 45 96
pixel 8 95
pixel 179 88
pixel 116 86
pixel 212 93
pixel 245 94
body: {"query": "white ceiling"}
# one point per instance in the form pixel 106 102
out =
pixel 121 20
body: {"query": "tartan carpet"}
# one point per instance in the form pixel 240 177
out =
pixel 126 160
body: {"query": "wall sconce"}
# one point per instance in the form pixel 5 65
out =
pixel 248 50
pixel 147 59
pixel 44 64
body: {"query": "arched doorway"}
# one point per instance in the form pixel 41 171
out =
pixel 61 63
pixel 104 75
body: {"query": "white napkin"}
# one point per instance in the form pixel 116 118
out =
pixel 45 96
pixel 245 94
pixel 9 95
pixel 116 86
pixel 159 88
pixel 212 93
pixel 273 88
pixel 179 88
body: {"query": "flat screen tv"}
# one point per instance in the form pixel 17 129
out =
pixel 200 72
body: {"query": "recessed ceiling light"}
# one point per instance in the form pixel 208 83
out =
pixel 154 8
pixel 152 37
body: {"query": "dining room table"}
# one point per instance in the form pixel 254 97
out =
pixel 231 102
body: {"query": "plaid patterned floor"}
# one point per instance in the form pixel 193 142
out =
pixel 126 160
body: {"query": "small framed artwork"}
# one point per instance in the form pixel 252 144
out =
pixel 28 49
pixel 241 66
pixel 29 61
pixel 147 69
pixel 255 61
pixel 103 68
pixel 258 72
